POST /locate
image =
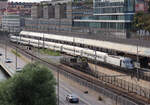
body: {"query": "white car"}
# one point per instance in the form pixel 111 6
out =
pixel 18 69
pixel 7 60
pixel 72 98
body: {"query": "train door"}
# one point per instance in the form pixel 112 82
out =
pixel 120 63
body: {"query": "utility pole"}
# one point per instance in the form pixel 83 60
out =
pixel 5 47
pixel 16 52
pixel 137 58
pixel 58 86
pixel 74 44
pixel 38 47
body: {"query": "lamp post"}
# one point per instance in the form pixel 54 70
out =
pixel 16 52
pixel 95 66
pixel 58 86
pixel 38 47
pixel 5 47
pixel 137 58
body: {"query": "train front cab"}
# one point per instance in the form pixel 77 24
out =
pixel 127 63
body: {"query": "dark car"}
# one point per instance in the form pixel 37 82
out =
pixel 72 98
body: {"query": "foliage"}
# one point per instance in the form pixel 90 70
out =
pixel 50 52
pixel 149 6
pixel 141 21
pixel 35 85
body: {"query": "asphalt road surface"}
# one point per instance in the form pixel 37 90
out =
pixel 20 63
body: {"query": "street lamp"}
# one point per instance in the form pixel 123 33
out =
pixel 137 58
pixel 16 52
pixel 38 47
pixel 5 47
pixel 58 86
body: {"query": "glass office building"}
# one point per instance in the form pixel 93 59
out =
pixel 109 14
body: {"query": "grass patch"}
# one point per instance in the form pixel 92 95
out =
pixel 16 53
pixel 49 52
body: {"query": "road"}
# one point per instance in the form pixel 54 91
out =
pixel 63 91
pixel 20 62
pixel 2 76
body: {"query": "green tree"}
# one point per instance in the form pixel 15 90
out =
pixel 149 6
pixel 35 85
pixel 141 21
pixel 138 21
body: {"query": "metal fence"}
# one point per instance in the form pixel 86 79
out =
pixel 118 100
pixel 130 87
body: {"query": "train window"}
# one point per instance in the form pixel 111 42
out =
pixel 73 60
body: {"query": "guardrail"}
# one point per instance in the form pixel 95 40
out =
pixel 9 70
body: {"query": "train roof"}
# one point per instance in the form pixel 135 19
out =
pixel 130 49
pixel 120 57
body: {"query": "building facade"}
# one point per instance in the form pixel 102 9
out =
pixel 11 22
pixel 23 8
pixel 112 18
pixel 37 11
pixel 3 6
pixel 54 17
pixel 48 11
pixel 14 15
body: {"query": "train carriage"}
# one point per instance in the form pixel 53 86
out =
pixel 118 61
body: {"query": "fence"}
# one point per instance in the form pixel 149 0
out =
pixel 119 100
pixel 130 87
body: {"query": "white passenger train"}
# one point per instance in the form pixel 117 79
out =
pixel 118 61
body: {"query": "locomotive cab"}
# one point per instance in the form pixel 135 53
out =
pixel 127 63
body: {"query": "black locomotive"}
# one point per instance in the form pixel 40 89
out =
pixel 77 63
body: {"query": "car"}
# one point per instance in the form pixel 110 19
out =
pixel 7 60
pixel 72 98
pixel 18 69
pixel 1 54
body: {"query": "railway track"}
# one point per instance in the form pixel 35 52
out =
pixel 140 100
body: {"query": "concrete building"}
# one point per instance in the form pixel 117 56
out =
pixel 56 16
pixel 48 11
pixel 60 11
pixel 37 11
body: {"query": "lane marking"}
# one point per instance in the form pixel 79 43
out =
pixel 71 92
